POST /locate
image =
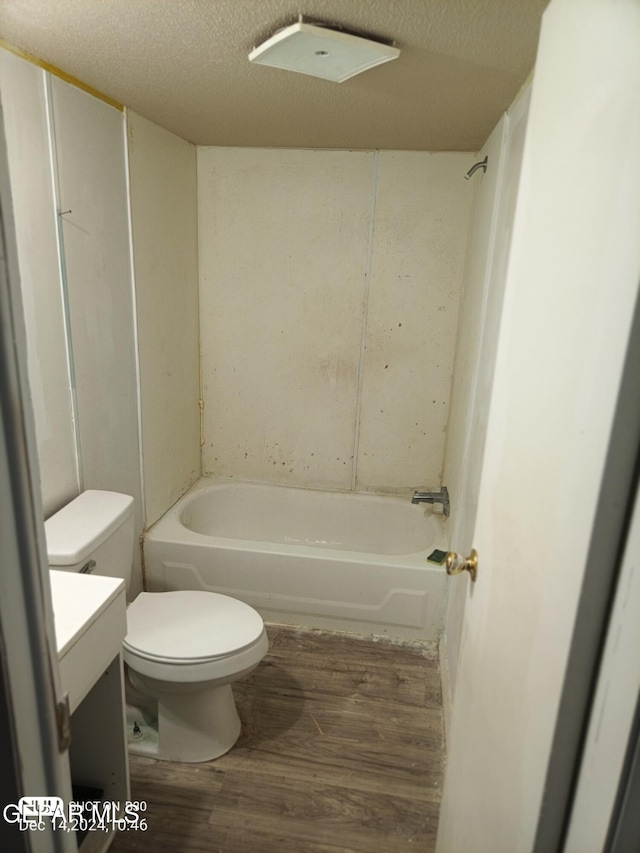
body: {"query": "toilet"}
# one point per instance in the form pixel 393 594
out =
pixel 183 649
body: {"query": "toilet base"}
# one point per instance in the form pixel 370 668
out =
pixel 142 730
pixel 191 726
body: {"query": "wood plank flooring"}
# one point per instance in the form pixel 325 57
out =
pixel 341 752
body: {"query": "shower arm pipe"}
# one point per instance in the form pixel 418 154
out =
pixel 482 165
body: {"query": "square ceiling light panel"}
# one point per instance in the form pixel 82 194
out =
pixel 321 52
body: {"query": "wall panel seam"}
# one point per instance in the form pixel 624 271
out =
pixel 134 309
pixel 365 316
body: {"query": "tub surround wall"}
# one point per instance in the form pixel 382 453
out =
pixel 162 170
pixel 329 295
pixel 476 282
pixel 283 239
pixel 418 247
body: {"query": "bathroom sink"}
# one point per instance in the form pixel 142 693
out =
pixel 90 619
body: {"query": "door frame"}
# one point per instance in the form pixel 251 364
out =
pixel 618 488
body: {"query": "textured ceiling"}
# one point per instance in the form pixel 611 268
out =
pixel 183 64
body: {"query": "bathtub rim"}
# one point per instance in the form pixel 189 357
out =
pixel 169 528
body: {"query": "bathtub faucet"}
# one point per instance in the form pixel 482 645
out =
pixel 441 497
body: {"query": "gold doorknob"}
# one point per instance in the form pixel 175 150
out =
pixel 456 563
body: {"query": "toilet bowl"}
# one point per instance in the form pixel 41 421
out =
pixel 183 649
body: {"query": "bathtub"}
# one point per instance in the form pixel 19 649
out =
pixel 354 562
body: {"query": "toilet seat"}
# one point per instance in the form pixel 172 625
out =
pixel 190 627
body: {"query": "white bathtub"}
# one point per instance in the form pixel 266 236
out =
pixel 355 562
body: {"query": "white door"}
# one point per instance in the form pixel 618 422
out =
pixel 571 286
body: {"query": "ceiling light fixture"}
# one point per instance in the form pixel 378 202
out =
pixel 321 51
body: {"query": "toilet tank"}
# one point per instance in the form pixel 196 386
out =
pixel 97 527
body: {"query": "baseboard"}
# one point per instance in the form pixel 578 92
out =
pixel 445 679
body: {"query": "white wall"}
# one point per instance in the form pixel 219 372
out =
pixel 68 148
pixel 329 287
pixel 22 90
pixel 92 177
pixel 162 171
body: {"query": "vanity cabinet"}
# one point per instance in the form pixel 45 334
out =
pixel 90 624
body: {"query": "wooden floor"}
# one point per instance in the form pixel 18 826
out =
pixel 341 750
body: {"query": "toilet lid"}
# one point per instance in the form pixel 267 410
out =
pixel 190 625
